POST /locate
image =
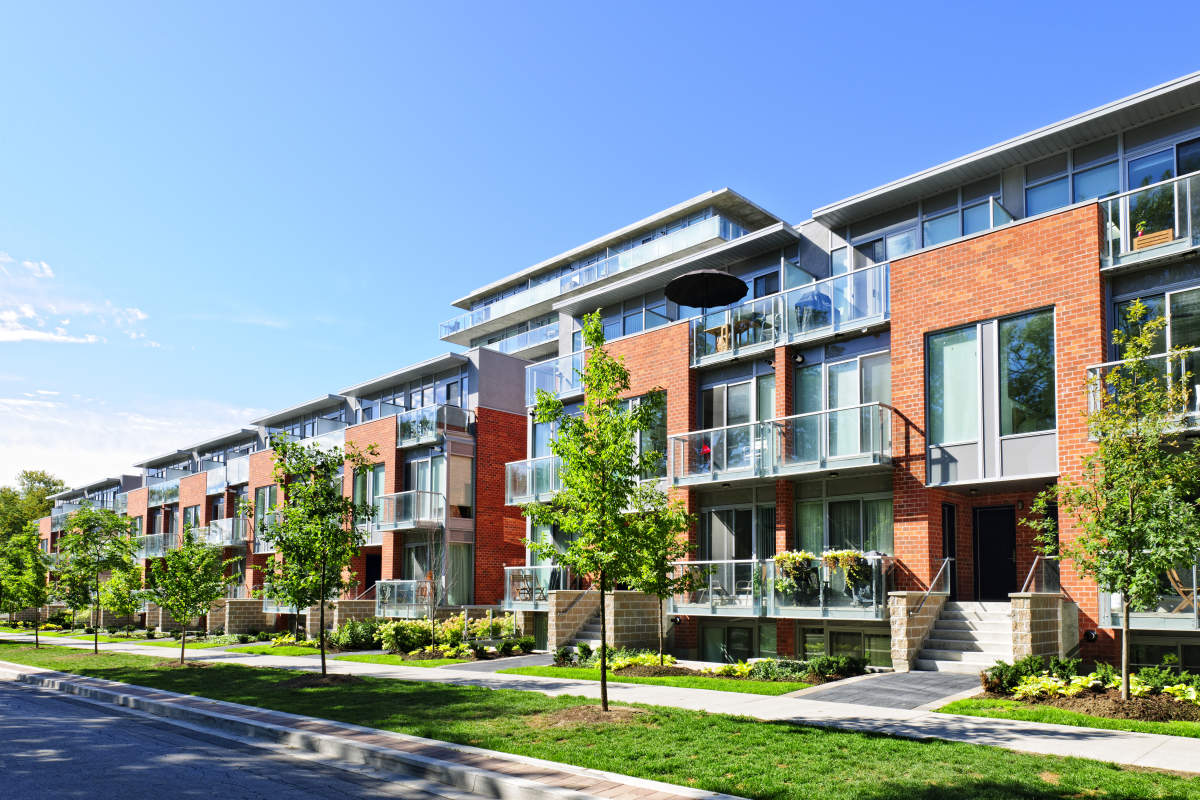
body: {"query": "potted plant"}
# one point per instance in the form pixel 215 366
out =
pixel 797 576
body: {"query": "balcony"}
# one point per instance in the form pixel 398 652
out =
pixel 538 337
pixel 843 439
pixel 428 425
pixel 730 589
pixel 227 532
pixel 528 588
pixel 329 439
pixel 561 377
pixel 59 514
pixel 687 238
pixel 155 545
pixel 237 470
pixel 817 592
pixel 405 599
pixel 273 606
pixel 262 541
pixel 407 510
pixel 121 503
pixel 1177 606
pixel 1168 368
pixel 163 493
pixel 1150 222
pixel 533 480
pixel 807 313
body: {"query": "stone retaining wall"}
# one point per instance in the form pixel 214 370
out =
pixel 909 632
pixel 564 623
pixel 632 620
pixel 1035 628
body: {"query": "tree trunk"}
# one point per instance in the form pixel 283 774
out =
pixel 603 649
pixel 660 632
pixel 321 629
pixel 1125 646
pixel 36 641
pixel 182 643
pixel 96 629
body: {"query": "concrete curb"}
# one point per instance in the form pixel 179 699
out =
pixel 460 776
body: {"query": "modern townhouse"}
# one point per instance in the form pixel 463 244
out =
pixel 904 375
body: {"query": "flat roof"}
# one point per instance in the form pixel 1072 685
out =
pixel 726 199
pixel 87 487
pixel 435 364
pixel 316 404
pixel 1130 112
pixel 168 456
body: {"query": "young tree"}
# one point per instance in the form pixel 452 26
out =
pixel 188 580
pixel 599 475
pixel 121 594
pixel 1134 503
pixel 659 527
pixel 314 528
pixel 23 576
pixel 96 541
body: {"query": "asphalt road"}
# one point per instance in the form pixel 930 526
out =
pixel 56 746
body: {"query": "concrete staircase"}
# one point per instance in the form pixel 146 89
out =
pixel 588 633
pixel 967 638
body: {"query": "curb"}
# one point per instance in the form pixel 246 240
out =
pixel 460 776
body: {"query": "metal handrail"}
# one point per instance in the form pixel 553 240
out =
pixel 1033 568
pixel 1140 189
pixel 932 583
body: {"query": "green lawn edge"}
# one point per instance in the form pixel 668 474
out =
pixel 1015 709
pixel 376 658
pixel 710 752
pixel 271 650
pixel 684 681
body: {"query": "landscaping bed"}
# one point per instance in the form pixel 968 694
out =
pixel 402 660
pixel 691 680
pixel 710 752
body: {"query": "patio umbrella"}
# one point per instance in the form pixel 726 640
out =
pixel 706 288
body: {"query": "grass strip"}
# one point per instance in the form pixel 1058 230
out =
pixel 1029 712
pixel 376 658
pixel 175 643
pixel 271 650
pixel 684 681
pixel 712 752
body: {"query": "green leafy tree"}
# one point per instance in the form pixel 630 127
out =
pixel 1134 504
pixel 188 580
pixel 599 475
pixel 96 542
pixel 314 528
pixel 27 502
pixel 659 527
pixel 121 594
pixel 23 581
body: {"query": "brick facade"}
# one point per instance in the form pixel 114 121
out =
pixel 499 529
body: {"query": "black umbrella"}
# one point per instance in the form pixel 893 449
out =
pixel 706 288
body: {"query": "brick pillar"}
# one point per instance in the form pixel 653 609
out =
pixel 254 577
pixel 785 638
pixel 785 511
pixel 785 383
pixel 393 556
pixel 358 566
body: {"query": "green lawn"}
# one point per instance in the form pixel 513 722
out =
pixel 711 752
pixel 685 681
pixel 191 645
pixel 377 658
pixel 271 650
pixel 1015 709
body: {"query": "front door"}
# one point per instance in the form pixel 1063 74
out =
pixel 995 553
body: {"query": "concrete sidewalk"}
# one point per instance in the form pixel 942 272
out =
pixel 1135 749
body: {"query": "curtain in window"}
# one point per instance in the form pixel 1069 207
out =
pixel 877 526
pixel 845 525
pixel 953 386
pixel 766 532
pixel 810 519
pixel 462 562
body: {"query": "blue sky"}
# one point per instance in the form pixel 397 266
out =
pixel 209 210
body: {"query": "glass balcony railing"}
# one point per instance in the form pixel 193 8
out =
pixel 661 247
pixel 528 588
pixel 561 377
pixel 59 515
pixel 405 599
pixel 426 425
pixel 1176 607
pixel 807 312
pixel 328 440
pixel 726 588
pixel 231 532
pixel 121 503
pixel 717 453
pixel 262 542
pixel 237 470
pixel 1167 368
pixel 532 480
pixel 856 436
pixel 164 493
pixel 155 545
pixel 215 480
pixel 523 341
pixel 1150 221
pixel 414 509
pixel 814 590
pixel 273 606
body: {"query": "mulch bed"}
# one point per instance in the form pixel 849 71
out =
pixel 655 671
pixel 174 664
pixel 1108 703
pixel 577 716
pixel 314 681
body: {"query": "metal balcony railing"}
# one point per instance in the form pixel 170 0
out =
pixel 231 532
pixel 1150 221
pixel 561 377
pixel 411 599
pixel 421 426
pixel 1168 367
pixel 1176 607
pixel 528 588
pixel 155 545
pixel 525 340
pixel 413 509
pixel 532 480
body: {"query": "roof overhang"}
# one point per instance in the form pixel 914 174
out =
pixel 761 241
pixel 316 404
pixel 437 364
pixel 726 200
pixel 103 483
pixel 225 438
pixel 1130 112
pixel 165 457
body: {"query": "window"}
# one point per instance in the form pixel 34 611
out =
pixel 1086 173
pixel 953 386
pixel 845 388
pixel 958 212
pixel 265 499
pixel 654 439
pixel 218 508
pixel 370 485
pixel 1046 185
pixel 1027 373
pixel 191 517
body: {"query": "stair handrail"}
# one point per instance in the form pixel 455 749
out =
pixel 1036 560
pixel 932 583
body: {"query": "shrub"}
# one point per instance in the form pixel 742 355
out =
pixel 739 670
pixel 243 638
pixel 175 633
pixel 479 651
pixel 129 629
pixel 527 644
pixel 89 630
pixel 150 634
pixel 837 666
pixel 1157 678
pixel 563 657
pixel 1003 677
pixel 644 658
pixel 1065 668
pixel 113 629
pixel 59 618
pixel 506 648
pixel 263 636
pixel 771 669
pixel 217 632
pixel 356 635
pixel 585 652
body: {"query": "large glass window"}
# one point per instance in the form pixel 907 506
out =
pixel 1156 308
pixel 954 386
pixel 1027 373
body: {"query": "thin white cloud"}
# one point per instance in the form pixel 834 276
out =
pixel 40 269
pixel 43 391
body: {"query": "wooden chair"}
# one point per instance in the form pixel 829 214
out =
pixel 1188 594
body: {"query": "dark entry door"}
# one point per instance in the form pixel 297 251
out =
pixel 373 571
pixel 995 553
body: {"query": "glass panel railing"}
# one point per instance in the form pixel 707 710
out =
pixel 425 425
pixel 845 436
pixel 528 588
pixel 216 481
pixel 820 588
pixel 733 451
pixel 273 606
pixel 660 247
pixel 526 340
pixel 1164 368
pixel 1176 606
pixel 328 440
pixel 262 540
pixel 59 515
pixel 121 503
pixel 405 599
pixel 725 588
pixel 534 479
pixel 560 377
pixel 1152 216
pixel 415 509
pixel 237 470
pixel 227 532
pixel 155 545
pixel 164 493
pixel 1043 576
